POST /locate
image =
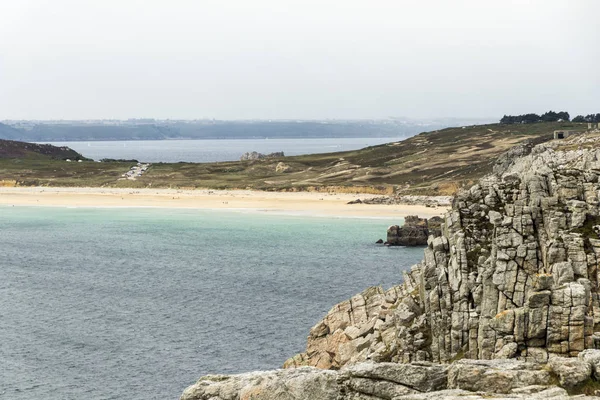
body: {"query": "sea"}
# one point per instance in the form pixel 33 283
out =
pixel 138 303
pixel 214 150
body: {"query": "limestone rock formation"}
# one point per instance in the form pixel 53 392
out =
pixel 414 232
pixel 514 273
pixel 281 167
pixel 259 156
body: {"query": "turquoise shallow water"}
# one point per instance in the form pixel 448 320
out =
pixel 138 303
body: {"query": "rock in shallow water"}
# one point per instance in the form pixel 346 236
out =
pixel 414 232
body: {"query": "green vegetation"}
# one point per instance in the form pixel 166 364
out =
pixel 437 162
pixel 549 116
pixel 590 387
pixel 43 172
pixel 473 257
pixel 118 160
pixel 22 150
pixel 587 118
pixel 587 230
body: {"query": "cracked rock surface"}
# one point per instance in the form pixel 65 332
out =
pixel 465 379
pixel 514 273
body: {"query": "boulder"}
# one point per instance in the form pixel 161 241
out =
pixel 497 376
pixel 592 356
pixel 282 167
pixel 571 371
pixel 290 384
pixel 422 377
pixel 458 394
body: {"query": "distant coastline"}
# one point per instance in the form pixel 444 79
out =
pixel 155 129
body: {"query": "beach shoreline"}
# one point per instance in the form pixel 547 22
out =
pixel 294 203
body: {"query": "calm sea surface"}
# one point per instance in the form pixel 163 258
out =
pixel 214 150
pixel 138 303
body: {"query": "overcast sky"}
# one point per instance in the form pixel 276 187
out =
pixel 237 59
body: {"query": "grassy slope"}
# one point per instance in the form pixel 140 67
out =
pixel 33 164
pixel 14 149
pixel 430 163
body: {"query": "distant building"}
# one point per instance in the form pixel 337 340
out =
pixel 563 134
pixel 593 125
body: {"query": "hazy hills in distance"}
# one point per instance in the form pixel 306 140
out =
pixel 154 129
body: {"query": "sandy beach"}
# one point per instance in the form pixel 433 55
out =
pixel 306 203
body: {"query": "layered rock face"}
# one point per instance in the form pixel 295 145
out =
pixel 514 273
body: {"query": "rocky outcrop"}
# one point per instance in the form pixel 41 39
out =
pixel 427 201
pixel 281 167
pixel 471 379
pixel 414 232
pixel 361 328
pixel 514 273
pixel 259 156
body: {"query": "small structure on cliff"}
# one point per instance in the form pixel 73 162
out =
pixel 414 232
pixel 563 134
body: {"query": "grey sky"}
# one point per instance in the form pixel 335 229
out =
pixel 308 59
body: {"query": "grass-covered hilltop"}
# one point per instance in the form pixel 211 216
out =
pixel 433 163
pixel 10 149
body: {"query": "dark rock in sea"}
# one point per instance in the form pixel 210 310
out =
pixel 380 241
pixel 414 232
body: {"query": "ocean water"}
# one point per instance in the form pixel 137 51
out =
pixel 136 303
pixel 214 150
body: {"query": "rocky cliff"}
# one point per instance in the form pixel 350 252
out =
pixel 513 275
